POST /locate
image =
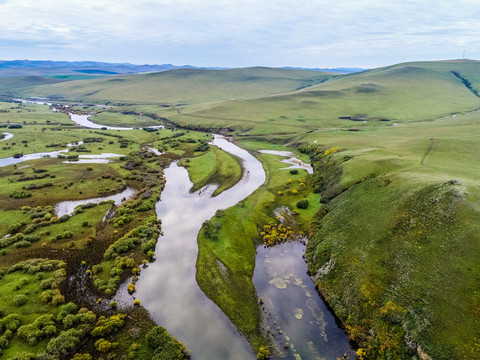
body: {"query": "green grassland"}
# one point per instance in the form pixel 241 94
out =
pixel 214 167
pixel 395 255
pixel 394 249
pixel 405 92
pixel 183 86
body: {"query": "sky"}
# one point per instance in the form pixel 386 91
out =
pixel 303 33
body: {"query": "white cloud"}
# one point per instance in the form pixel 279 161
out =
pixel 240 33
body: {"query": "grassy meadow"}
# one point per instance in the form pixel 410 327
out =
pixel 183 86
pixel 392 205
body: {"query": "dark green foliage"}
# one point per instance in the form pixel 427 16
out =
pixel 22 244
pixel 294 171
pixel 10 322
pixel 11 240
pixel 33 266
pixel 70 308
pixel 209 230
pixel 42 327
pixel 19 194
pixel 65 342
pixel 23 356
pixel 166 348
pixel 146 235
pixel 31 238
pixel 202 147
pixel 467 83
pixel 302 204
pixel 157 337
pixel 3 343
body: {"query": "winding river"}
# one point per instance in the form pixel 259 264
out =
pixel 295 315
pixel 167 288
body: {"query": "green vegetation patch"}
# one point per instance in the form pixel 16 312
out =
pixel 214 167
pixel 226 258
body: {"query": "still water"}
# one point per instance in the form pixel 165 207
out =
pixel 295 315
pixel 68 207
pixel 167 288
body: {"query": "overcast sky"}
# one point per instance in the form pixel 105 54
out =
pixel 235 33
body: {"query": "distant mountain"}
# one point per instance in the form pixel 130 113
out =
pixel 340 70
pixel 54 68
pixel 50 68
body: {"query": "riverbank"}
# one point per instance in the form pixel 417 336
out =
pixel 226 259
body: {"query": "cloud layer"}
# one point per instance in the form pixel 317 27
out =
pixel 319 33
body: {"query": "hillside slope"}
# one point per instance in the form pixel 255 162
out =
pixel 404 92
pixel 184 85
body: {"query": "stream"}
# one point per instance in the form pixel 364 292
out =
pixel 294 314
pixel 168 289
pixel 68 207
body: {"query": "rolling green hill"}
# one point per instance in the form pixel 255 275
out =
pixel 404 92
pixel 184 85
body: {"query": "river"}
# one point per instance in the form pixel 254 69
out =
pixel 294 313
pixel 168 289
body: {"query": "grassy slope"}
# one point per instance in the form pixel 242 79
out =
pixel 214 167
pixel 185 85
pixel 405 236
pixel 405 92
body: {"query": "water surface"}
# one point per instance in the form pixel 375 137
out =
pixel 293 161
pixel 7 136
pixel 67 207
pixel 295 313
pixel 167 288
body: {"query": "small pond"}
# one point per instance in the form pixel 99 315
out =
pixel 296 316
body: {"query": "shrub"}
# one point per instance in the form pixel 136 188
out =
pixel 106 326
pixel 11 322
pixel 157 337
pixel 3 342
pixel 19 300
pixel 58 299
pixel 24 356
pixel 263 353
pixel 302 204
pixel 65 342
pixel 42 327
pixel 82 357
pixel 103 345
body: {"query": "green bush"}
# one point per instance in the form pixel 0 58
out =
pixel 106 326
pixel 42 327
pixel 302 204
pixel 11 322
pixel 23 356
pixel 19 300
pixel 65 342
